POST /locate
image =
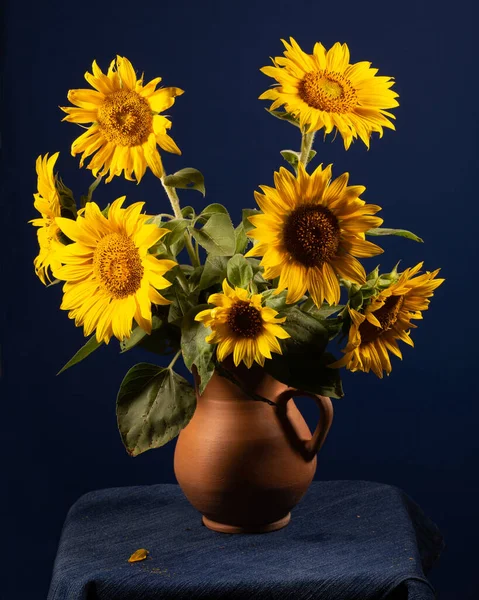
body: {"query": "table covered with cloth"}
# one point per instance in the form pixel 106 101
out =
pixel 346 540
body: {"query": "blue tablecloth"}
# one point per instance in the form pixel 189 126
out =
pixel 346 540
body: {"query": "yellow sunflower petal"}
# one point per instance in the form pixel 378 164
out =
pixel 152 156
pixel 167 143
pixel 323 90
pixel 156 297
pixel 164 98
pixel 309 233
pixel 109 279
pixel 375 331
pixel 242 326
pixel 124 133
pixel 225 348
pixel 126 72
pixel 47 203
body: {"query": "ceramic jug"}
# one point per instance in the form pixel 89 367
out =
pixel 247 456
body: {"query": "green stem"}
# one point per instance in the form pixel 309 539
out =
pixel 175 205
pixel 306 145
pixel 197 251
pixel 191 251
pixel 173 198
pixel 175 358
pixel 91 189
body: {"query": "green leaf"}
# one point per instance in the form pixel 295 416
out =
pixel 249 212
pixel 187 179
pixel 276 301
pixel 303 363
pixel 293 157
pixel 187 269
pixel 152 407
pixel 196 350
pixel 214 271
pixel 334 326
pixel 160 250
pixel 324 314
pixel 304 330
pixel 325 311
pixel 84 351
pixel 175 241
pixel 67 201
pixel 356 300
pixel 399 232
pixel 258 279
pixel 188 212
pixel 241 239
pixel 156 220
pixel 211 209
pixel 255 264
pixel 217 236
pixel 239 271
pixel 330 383
pixel 309 373
pixel 195 276
pixel 284 116
pixel 181 303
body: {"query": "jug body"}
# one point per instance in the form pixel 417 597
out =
pixel 244 463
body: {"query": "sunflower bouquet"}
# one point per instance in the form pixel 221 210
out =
pixel 274 290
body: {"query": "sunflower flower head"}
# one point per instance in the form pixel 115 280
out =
pixel 324 91
pixel 376 329
pixel 311 232
pixel 125 124
pixel 110 278
pixel 47 202
pixel 242 326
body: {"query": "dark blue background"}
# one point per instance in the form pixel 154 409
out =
pixel 416 429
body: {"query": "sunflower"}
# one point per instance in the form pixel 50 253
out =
pixel 310 232
pixel 125 124
pixel 110 277
pixel 375 331
pixel 47 202
pixel 242 326
pixel 323 90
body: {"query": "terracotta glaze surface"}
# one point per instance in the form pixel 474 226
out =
pixel 244 463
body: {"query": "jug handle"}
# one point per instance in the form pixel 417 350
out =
pixel 313 446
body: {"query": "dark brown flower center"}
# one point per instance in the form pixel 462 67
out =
pixel 311 234
pixel 125 118
pixel 387 315
pixel 117 265
pixel 245 320
pixel 327 91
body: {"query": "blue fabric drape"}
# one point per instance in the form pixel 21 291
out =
pixel 347 540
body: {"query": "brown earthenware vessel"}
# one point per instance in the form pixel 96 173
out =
pixel 245 463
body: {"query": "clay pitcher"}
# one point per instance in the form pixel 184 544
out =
pixel 244 463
